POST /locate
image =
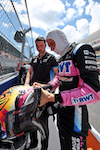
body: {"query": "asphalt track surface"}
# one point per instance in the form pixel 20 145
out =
pixel 54 143
pixel 94 115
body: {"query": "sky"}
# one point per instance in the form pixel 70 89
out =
pixel 76 18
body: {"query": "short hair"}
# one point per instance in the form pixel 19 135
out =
pixel 40 38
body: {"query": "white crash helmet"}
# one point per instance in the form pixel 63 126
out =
pixel 62 44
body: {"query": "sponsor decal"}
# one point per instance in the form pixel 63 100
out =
pixel 91 67
pixel 88 57
pixel 35 61
pixel 90 62
pixel 66 78
pixel 83 99
pixel 92 53
pixel 65 66
pixel 77 143
pixel 22 91
pixel 86 52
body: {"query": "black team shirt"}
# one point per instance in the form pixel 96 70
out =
pixel 42 68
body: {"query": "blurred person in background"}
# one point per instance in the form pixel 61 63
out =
pixel 39 71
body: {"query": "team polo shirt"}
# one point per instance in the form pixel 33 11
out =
pixel 43 67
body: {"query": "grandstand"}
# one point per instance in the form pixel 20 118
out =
pixel 10 50
pixel 9 56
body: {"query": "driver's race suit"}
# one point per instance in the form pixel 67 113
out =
pixel 78 85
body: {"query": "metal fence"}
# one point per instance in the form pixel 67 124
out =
pixel 10 22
